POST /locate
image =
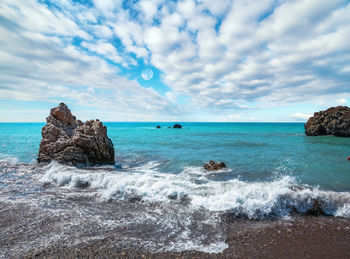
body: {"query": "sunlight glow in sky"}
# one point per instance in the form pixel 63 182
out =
pixel 157 60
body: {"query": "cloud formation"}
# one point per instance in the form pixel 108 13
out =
pixel 222 57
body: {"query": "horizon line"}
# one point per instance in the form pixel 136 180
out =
pixel 169 121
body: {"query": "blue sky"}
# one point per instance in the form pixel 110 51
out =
pixel 239 60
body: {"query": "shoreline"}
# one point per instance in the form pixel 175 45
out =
pixel 298 237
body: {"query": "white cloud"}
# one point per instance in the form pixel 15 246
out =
pixel 224 55
pixel 341 101
pixel 105 49
pixel 149 9
pixel 35 17
pixel 102 31
pixel 301 116
pixel 40 67
pixel 107 7
pixel 264 53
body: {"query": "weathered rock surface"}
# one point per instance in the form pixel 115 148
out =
pixel 212 166
pixel 177 126
pixel 67 140
pixel 334 121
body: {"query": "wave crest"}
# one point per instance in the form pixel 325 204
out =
pixel 254 200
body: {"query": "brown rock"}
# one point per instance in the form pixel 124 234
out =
pixel 67 140
pixel 334 121
pixel 316 209
pixel 348 158
pixel 212 166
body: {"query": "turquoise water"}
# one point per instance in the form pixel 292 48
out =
pixel 159 196
pixel 252 151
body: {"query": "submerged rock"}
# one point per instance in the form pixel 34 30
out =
pixel 69 141
pixel 177 126
pixel 212 166
pixel 82 184
pixel 316 209
pixel 334 121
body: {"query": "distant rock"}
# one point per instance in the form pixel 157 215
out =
pixel 69 141
pixel 348 158
pixel 212 166
pixel 158 127
pixel 177 126
pixel 334 121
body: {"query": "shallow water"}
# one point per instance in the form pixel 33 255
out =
pixel 159 196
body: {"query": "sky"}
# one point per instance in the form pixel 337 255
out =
pixel 157 60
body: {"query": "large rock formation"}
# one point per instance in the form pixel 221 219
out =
pixel 334 121
pixel 67 140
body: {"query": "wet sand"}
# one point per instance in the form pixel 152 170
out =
pixel 301 237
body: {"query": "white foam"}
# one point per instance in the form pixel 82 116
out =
pixel 4 158
pixel 252 199
pixel 343 211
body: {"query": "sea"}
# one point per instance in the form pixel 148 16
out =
pixel 158 196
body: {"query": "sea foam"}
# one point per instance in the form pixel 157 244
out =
pixel 253 200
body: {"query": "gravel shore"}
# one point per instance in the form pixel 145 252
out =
pixel 300 237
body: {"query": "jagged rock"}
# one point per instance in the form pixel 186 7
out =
pixel 212 166
pixel 316 209
pixel 177 126
pixel 67 140
pixel 334 121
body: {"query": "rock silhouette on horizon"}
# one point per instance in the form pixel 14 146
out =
pixel 69 141
pixel 334 121
pixel 177 126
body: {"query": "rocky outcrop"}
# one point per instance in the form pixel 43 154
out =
pixel 67 140
pixel 334 121
pixel 212 166
pixel 177 126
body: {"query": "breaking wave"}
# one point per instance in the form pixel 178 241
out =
pixel 193 188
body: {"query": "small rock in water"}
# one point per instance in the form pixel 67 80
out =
pixel 212 166
pixel 82 184
pixel 172 196
pixel 348 158
pixel 177 126
pixel 316 209
pixel 158 127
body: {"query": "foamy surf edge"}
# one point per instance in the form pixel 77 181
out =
pixel 254 200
